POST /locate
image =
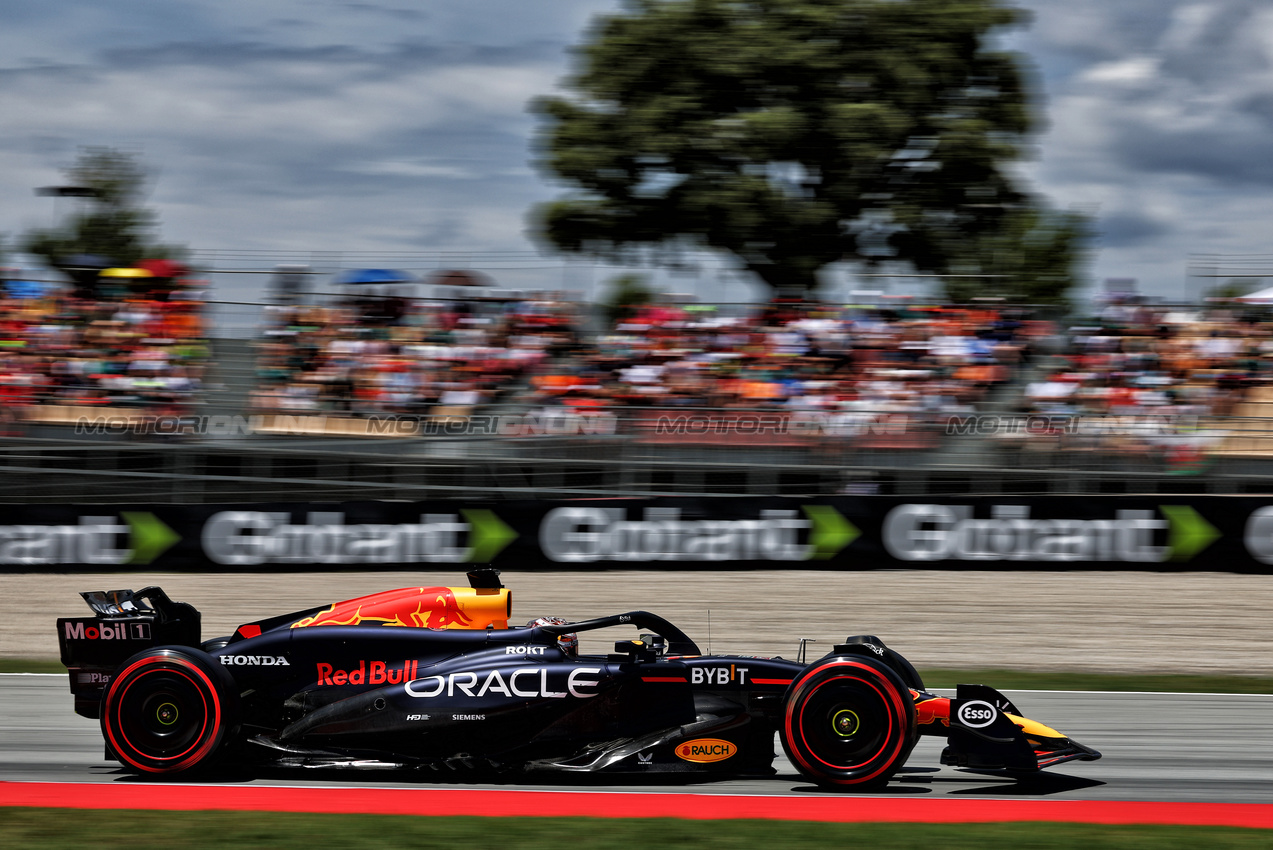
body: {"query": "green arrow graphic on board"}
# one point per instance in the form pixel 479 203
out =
pixel 1189 533
pixel 148 536
pixel 831 532
pixel 489 535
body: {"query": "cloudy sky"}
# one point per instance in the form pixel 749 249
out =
pixel 336 132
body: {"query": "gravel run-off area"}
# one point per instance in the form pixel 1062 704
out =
pixel 1117 622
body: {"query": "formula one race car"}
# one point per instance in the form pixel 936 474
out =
pixel 435 678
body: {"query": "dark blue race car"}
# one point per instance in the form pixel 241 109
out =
pixel 434 678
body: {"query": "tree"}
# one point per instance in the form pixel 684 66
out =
pixel 1234 287
pixel 624 295
pixel 793 134
pixel 1035 256
pixel 112 222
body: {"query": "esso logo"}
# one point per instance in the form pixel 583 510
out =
pixel 976 714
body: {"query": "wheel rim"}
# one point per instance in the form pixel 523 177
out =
pixel 845 723
pixel 167 714
pixel 163 715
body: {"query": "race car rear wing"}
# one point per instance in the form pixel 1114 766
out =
pixel 124 623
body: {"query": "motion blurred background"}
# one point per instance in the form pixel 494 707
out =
pixel 682 248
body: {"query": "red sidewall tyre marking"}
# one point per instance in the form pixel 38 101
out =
pixel 799 698
pixel 805 699
pixel 197 737
pixel 192 673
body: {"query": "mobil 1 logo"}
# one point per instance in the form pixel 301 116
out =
pixel 101 630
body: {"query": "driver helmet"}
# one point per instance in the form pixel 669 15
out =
pixel 567 643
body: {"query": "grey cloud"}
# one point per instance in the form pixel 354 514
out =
pixel 1096 30
pixel 1121 230
pixel 1227 45
pixel 1240 160
pixel 404 54
pixel 1198 105
pixel 439 230
pixel 293 24
pixel 388 11
pixel 272 95
pixel 1258 105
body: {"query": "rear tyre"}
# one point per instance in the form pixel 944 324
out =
pixel 169 711
pixel 848 722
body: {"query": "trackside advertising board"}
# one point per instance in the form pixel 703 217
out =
pixel 1233 534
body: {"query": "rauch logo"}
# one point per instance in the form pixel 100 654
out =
pixel 705 750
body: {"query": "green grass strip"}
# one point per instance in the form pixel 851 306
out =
pixel 55 829
pixel 30 665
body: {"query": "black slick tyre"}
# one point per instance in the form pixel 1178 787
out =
pixel 169 711
pixel 848 722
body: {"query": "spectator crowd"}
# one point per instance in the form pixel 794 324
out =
pixel 139 343
pixel 831 370
pixel 827 361
pixel 840 368
pixel 1148 379
pixel 133 344
pixel 1143 360
pixel 371 356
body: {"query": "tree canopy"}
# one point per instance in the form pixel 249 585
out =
pixel 624 296
pixel 793 134
pixel 111 222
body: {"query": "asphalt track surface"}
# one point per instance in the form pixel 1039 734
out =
pixel 1205 748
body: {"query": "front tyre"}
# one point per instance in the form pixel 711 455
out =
pixel 848 722
pixel 169 710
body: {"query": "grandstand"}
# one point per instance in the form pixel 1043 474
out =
pixel 53 465
pixel 537 395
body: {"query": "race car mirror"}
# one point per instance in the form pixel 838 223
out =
pixel 656 643
pixel 636 650
pixel 485 578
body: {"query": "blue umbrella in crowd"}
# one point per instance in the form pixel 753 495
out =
pixel 365 277
pixel 28 288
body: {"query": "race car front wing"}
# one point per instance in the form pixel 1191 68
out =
pixel 986 731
